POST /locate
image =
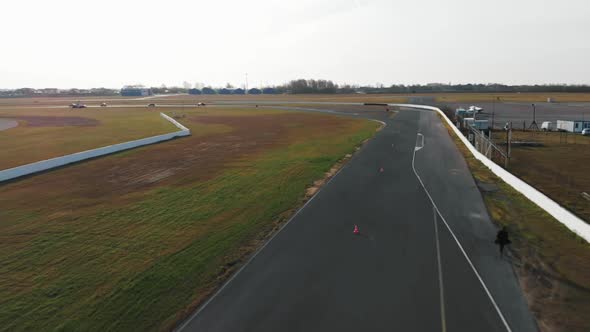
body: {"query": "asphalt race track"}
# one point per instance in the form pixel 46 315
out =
pixel 424 261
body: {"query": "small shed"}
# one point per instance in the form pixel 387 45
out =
pixel 575 126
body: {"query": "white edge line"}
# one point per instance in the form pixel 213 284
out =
pixel 462 250
pixel 381 122
pixel 417 148
pixel 440 275
pixel 204 305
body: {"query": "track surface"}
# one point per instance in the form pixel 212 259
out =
pixel 405 272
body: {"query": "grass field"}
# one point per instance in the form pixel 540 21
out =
pixel 553 263
pixel 136 240
pixel 557 168
pixel 48 133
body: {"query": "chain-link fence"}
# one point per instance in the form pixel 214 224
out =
pixel 485 146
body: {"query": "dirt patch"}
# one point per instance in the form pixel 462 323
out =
pixel 56 121
pixel 329 174
pixel 549 294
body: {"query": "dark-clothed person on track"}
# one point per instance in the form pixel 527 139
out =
pixel 502 239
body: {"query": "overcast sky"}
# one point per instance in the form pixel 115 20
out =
pixel 110 43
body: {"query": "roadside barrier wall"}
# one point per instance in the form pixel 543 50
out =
pixel 43 165
pixel 564 216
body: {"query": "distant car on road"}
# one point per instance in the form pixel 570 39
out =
pixel 78 105
pixel 152 105
pixel 200 104
pixel 586 132
pixel 103 105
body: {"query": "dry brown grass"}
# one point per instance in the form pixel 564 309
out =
pixel 557 168
pixel 48 133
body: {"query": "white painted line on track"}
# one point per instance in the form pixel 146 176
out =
pixel 485 288
pixel 416 148
pixel 379 121
pixel 193 316
pixel 443 318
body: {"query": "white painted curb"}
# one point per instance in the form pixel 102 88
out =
pixel 567 218
pixel 44 165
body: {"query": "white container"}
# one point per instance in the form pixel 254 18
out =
pixel 547 126
pixel 565 126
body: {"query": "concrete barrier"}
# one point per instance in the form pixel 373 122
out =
pixel 43 165
pixel 567 218
pixel 177 124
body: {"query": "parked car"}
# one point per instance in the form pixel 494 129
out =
pixel 77 105
pixel 586 132
pixel 152 105
pixel 200 104
pixel 103 105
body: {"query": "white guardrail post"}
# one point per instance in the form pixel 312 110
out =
pixel 43 165
pixel 564 216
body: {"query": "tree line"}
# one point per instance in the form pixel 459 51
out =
pixel 311 86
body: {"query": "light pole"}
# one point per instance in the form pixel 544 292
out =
pixel 534 123
pixel 493 112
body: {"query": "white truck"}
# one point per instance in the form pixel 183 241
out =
pixel 565 126
pixel 547 126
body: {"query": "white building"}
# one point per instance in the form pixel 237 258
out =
pixel 572 126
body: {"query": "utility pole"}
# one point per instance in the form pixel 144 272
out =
pixel 510 140
pixel 508 144
pixel 493 112
pixel 246 92
pixel 534 123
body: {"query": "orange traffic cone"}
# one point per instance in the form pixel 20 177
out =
pixel 356 230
